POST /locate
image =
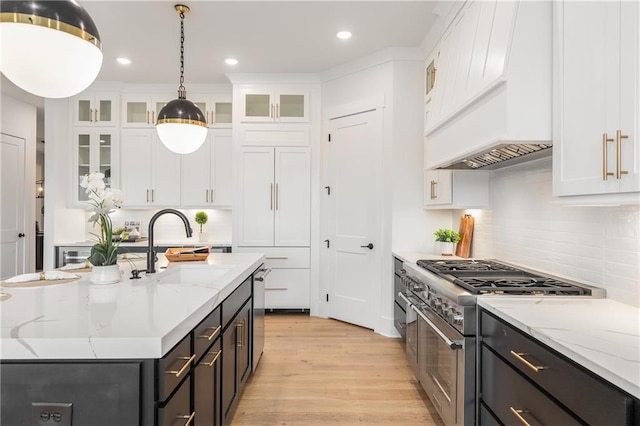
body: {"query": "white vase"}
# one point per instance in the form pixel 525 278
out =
pixel 105 274
pixel 203 237
pixel 446 249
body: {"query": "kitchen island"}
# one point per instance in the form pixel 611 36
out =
pixel 131 353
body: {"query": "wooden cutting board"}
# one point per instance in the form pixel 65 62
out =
pixel 463 249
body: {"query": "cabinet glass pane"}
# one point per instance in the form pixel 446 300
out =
pixel 223 112
pixel 257 106
pixel 105 110
pixel 84 154
pixel 82 170
pixel 137 112
pixel 84 110
pixel 159 106
pixel 105 158
pixel 292 106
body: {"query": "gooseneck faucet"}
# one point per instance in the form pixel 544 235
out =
pixel 151 255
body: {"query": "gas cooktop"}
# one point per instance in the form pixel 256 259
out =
pixel 491 277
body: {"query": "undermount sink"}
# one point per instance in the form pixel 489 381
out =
pixel 191 274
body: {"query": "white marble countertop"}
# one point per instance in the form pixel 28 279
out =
pixel 413 257
pixel 141 318
pixel 600 334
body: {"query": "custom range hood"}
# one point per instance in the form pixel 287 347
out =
pixel 492 98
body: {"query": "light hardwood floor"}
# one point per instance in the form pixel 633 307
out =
pixel 317 371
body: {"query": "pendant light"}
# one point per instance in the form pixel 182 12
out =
pixel 181 125
pixel 49 48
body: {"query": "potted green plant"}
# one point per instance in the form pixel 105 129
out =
pixel 201 219
pixel 447 239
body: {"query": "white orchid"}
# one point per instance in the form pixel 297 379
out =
pixel 104 201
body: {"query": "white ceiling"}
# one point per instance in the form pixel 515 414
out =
pixel 265 36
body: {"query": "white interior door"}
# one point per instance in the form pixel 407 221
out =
pixel 12 201
pixel 354 171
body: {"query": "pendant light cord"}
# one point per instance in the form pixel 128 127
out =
pixel 182 92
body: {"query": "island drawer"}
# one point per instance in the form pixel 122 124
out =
pixel 597 402
pixel 282 257
pixel 177 410
pixel 234 302
pixel 174 367
pixel 206 332
pixel 513 399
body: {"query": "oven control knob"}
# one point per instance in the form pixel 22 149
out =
pixel 457 318
pixel 435 302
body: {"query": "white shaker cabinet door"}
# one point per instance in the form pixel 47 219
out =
pixel 257 188
pixel 165 176
pixel 292 197
pixel 135 167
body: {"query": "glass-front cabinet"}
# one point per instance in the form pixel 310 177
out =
pixel 275 104
pixel 141 110
pixel 95 109
pixel 217 109
pixel 94 149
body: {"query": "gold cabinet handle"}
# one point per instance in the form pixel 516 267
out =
pixel 434 194
pixel 206 195
pixel 153 117
pixel 211 195
pixel 95 111
pixel 212 335
pixel 147 117
pixel 153 195
pixel 277 110
pixel 605 172
pixel 276 257
pixel 184 368
pixel 619 137
pixel 518 413
pixel 271 112
pixel 277 197
pixel 520 357
pixel 188 418
pixel 240 334
pixel 276 288
pixel 147 195
pixel 215 358
pixel 271 198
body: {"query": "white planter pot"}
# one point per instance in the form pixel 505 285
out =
pixel 105 274
pixel 446 249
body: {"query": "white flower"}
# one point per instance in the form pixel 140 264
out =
pixel 93 182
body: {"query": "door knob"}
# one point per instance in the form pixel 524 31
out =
pixel 21 235
pixel 369 246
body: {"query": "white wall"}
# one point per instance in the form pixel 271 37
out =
pixel 19 119
pixel 595 245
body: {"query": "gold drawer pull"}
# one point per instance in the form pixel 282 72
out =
pixel 276 257
pixel 520 357
pixel 211 336
pixel 178 373
pixel 518 414
pixel 276 288
pixel 240 334
pixel 215 358
pixel 189 418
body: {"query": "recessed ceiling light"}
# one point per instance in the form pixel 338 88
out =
pixel 231 61
pixel 344 35
pixel 124 61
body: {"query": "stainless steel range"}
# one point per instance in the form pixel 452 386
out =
pixel 440 305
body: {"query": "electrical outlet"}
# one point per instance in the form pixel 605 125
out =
pixel 51 413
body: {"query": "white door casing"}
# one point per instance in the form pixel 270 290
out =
pixel 354 217
pixel 12 206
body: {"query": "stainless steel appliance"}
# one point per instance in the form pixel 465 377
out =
pixel 258 314
pixel 441 299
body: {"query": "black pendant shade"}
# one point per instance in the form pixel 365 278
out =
pixel 181 111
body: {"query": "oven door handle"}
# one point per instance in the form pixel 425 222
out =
pixel 403 297
pixel 449 342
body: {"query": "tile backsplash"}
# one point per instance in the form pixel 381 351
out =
pixel 594 245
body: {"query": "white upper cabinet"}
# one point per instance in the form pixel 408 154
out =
pixel 95 109
pixel 141 110
pixel 275 197
pixel 217 109
pixel 206 173
pixel 95 151
pixel 150 173
pixel 456 189
pixel 493 81
pixel 265 104
pixel 596 111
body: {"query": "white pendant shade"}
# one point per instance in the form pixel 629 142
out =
pixel 181 138
pixel 47 62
